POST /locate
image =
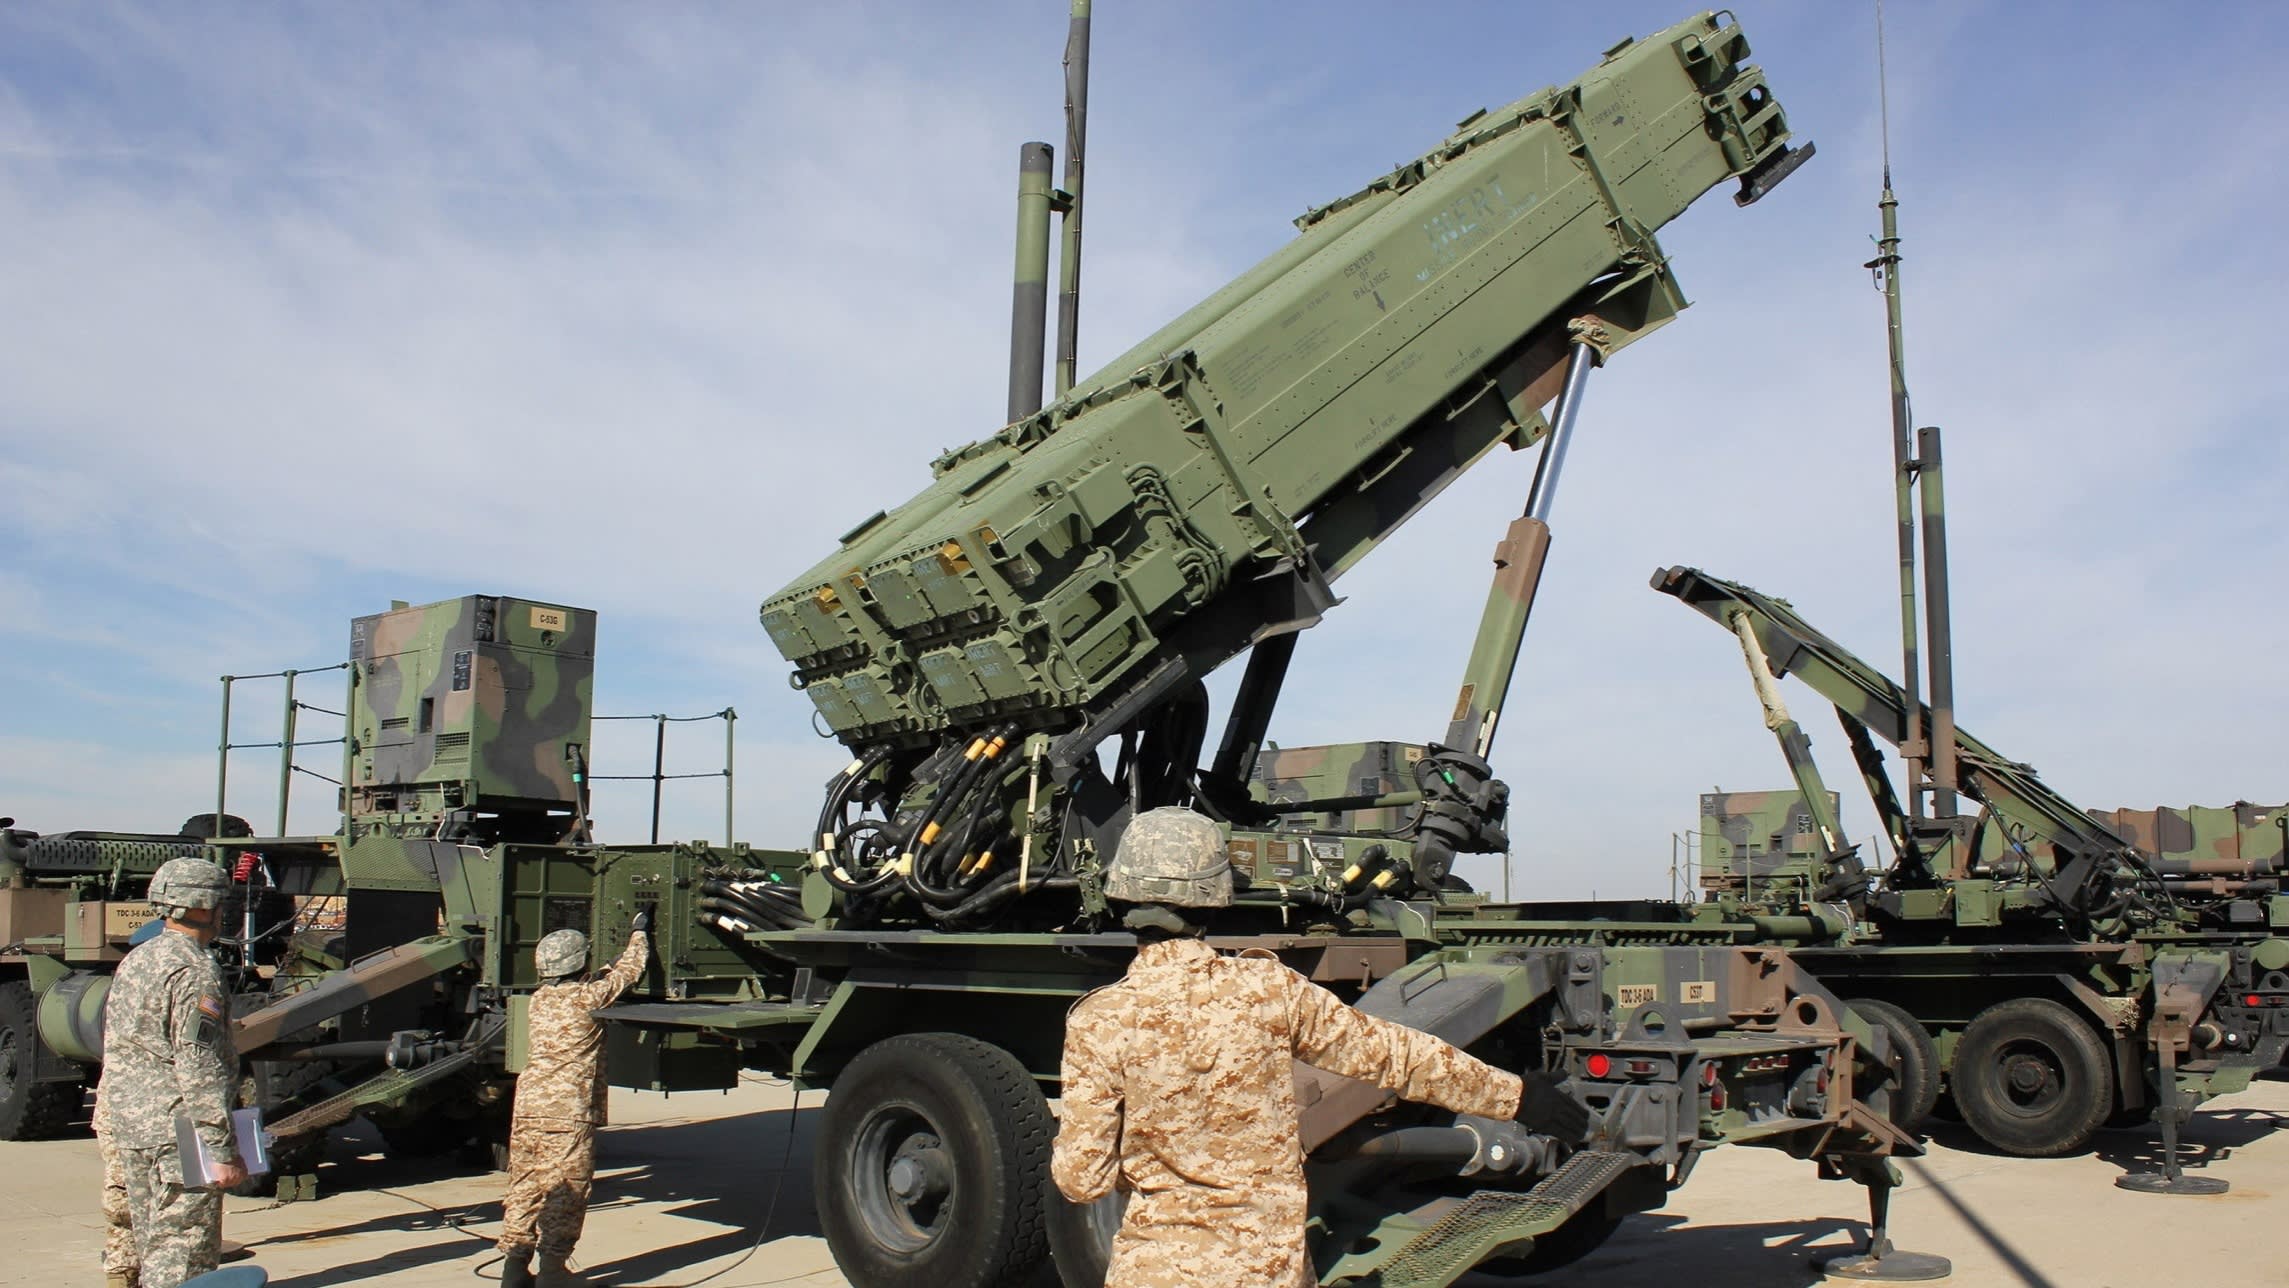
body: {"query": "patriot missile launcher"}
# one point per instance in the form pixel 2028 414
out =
pixel 1069 580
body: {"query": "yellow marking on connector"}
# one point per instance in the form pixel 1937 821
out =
pixel 819 860
pixel 853 766
pixel 985 860
pixel 929 834
pixel 826 840
pixel 839 873
pixel 976 747
pixel 996 747
pixel 1384 878
pixel 905 865
pixel 1351 873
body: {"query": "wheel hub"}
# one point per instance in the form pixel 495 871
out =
pixel 918 1174
pixel 2028 1076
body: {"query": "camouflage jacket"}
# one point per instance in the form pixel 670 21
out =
pixel 167 1047
pixel 1180 1087
pixel 562 1085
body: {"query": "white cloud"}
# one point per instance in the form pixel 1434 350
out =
pixel 639 316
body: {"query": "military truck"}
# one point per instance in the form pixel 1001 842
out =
pixel 2030 959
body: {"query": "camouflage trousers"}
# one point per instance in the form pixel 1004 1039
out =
pixel 178 1232
pixel 118 1229
pixel 550 1171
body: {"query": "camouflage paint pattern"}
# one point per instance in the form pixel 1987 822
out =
pixel 119 1261
pixel 478 702
pixel 560 1103
pixel 168 1055
pixel 1178 1087
pixel 2237 840
pixel 1286 775
pixel 1051 565
pixel 1751 838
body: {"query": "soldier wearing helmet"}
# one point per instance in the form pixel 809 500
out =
pixel 1179 1084
pixel 560 1104
pixel 167 1055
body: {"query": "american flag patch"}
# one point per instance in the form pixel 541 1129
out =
pixel 211 1006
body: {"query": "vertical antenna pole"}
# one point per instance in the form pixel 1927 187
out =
pixel 1076 134
pixel 1886 266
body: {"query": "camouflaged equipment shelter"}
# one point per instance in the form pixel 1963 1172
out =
pixel 2240 840
pixel 1291 774
pixel 480 703
pixel 1753 837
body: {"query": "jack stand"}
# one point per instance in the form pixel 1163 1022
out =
pixel 2172 1179
pixel 1880 1262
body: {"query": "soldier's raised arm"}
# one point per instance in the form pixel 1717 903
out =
pixel 206 1066
pixel 1409 1062
pixel 1086 1159
pixel 625 971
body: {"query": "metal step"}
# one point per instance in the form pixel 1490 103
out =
pixel 1493 1220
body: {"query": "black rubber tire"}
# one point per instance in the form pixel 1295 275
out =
pixel 29 1110
pixel 208 826
pixel 2032 1079
pixel 1918 1088
pixel 1564 1246
pixel 976 1116
pixel 1081 1237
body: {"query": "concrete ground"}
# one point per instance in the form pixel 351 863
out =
pixel 686 1182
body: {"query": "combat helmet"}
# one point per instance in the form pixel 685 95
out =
pixel 1171 855
pixel 560 953
pixel 186 883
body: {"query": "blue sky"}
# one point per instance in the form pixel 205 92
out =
pixel 637 307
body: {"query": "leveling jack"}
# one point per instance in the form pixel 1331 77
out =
pixel 2172 1179
pixel 1880 1262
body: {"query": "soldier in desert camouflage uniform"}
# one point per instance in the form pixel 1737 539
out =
pixel 560 1104
pixel 167 1055
pixel 1179 1083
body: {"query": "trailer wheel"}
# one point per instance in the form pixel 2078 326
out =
pixel 932 1161
pixel 1918 1088
pixel 1081 1237
pixel 28 1110
pixel 2032 1079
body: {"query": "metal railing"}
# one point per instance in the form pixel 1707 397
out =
pixel 659 778
pixel 287 743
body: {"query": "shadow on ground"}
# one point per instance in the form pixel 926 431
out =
pixel 725 1172
pixel 2210 1138
pixel 1777 1254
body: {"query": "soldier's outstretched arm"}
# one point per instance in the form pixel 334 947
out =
pixel 206 1067
pixel 625 971
pixel 1087 1156
pixel 1409 1062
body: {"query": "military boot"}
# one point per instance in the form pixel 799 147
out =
pixel 553 1273
pixel 517 1270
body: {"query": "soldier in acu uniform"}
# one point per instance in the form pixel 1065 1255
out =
pixel 1179 1084
pixel 167 1055
pixel 560 1104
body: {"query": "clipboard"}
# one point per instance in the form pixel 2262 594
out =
pixel 200 1167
